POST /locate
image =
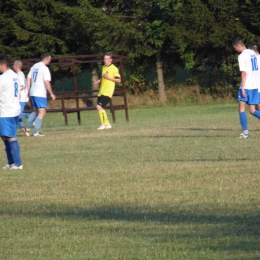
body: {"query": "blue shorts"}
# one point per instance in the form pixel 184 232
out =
pixel 39 102
pixel 252 97
pixel 8 126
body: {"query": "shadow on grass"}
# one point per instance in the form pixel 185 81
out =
pixel 234 233
pixel 203 129
pixel 128 213
pixel 208 160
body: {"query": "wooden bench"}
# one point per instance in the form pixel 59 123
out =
pixel 85 94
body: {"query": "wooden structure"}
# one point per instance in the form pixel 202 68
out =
pixel 72 62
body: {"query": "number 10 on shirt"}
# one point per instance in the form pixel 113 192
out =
pixel 254 64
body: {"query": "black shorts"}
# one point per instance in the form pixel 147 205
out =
pixel 103 101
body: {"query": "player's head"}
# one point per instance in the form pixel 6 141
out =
pixel 46 58
pixel 108 58
pixel 253 46
pixel 238 44
pixel 17 65
pixel 5 63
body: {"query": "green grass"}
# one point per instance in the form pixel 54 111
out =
pixel 173 183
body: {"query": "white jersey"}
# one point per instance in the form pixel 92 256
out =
pixel 39 72
pixel 24 92
pixel 258 64
pixel 248 62
pixel 9 94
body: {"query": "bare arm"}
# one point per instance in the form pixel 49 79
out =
pixel 48 87
pixel 97 82
pixel 243 82
pixel 28 85
pixel 106 76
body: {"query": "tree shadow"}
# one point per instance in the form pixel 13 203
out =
pixel 242 231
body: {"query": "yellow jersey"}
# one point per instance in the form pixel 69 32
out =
pixel 107 86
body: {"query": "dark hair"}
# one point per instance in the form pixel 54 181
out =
pixel 45 55
pixel 253 46
pixel 4 59
pixel 108 54
pixel 238 41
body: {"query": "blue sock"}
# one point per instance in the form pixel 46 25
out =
pixel 37 126
pixel 257 114
pixel 243 121
pixel 31 118
pixel 15 151
pixel 8 152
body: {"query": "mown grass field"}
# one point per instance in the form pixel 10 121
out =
pixel 173 183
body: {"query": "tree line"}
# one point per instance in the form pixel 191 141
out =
pixel 165 34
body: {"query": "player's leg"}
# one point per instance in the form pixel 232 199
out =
pixel 253 111
pixel 100 113
pixel 15 151
pixel 253 101
pixel 21 116
pixel 33 115
pixel 38 121
pixel 8 133
pixel 242 113
pixel 102 102
pixel 40 104
pixel 10 160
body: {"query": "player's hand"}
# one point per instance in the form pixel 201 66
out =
pixel 96 82
pixel 53 97
pixel 106 76
pixel 243 93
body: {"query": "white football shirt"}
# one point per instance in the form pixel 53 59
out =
pixel 24 92
pixel 9 94
pixel 248 62
pixel 258 63
pixel 39 72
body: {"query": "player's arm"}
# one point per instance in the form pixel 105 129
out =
pixel 243 82
pixel 97 82
pixel 48 87
pixel 116 79
pixel 28 80
pixel 21 82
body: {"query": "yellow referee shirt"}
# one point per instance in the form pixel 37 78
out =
pixel 107 86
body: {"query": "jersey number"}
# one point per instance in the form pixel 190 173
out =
pixel 35 73
pixel 16 89
pixel 254 64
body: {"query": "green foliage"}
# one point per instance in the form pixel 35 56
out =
pixel 29 28
pixel 193 34
pixel 189 60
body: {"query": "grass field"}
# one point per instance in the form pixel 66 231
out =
pixel 173 183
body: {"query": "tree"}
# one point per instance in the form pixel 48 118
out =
pixel 135 28
pixel 29 27
pixel 203 30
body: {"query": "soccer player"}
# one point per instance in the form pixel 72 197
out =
pixel 248 92
pixel 110 76
pixel 9 113
pixel 254 46
pixel 24 92
pixel 38 83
